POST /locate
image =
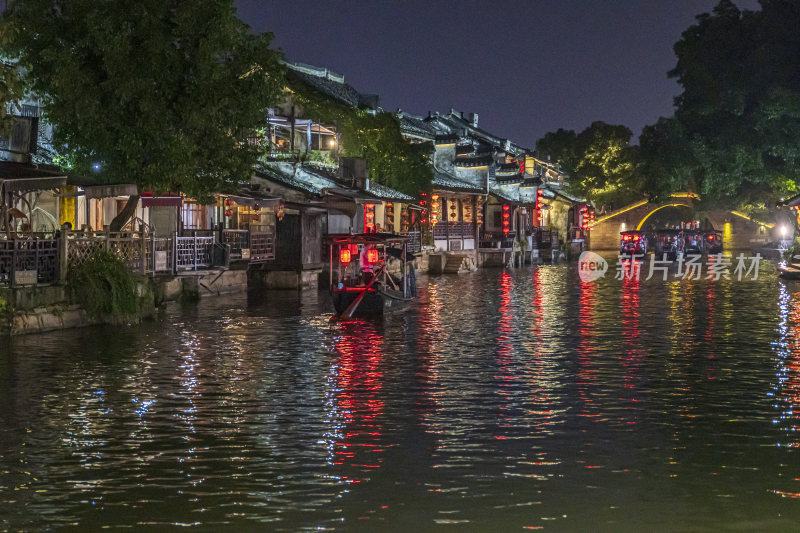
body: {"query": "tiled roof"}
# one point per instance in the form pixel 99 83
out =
pixel 415 125
pixel 387 193
pixel 449 183
pixel 480 161
pixel 301 178
pixel 509 194
pixel 325 82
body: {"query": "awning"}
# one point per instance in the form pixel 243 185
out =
pixel 110 191
pixel 355 196
pixel 162 201
pixel 21 177
pixel 248 198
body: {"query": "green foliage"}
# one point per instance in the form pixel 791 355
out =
pixel 736 132
pixel 601 163
pixel 5 308
pixel 162 93
pixel 392 161
pixel 105 288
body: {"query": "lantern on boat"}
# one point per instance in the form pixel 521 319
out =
pixel 372 256
pixel 344 256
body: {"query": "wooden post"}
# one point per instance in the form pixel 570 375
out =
pixel 143 249
pixel 63 257
pixel 446 213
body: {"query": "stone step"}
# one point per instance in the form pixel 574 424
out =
pixel 457 264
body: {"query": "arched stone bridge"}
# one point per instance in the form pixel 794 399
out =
pixel 739 232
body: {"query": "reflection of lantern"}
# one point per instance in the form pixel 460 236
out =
pixel 279 212
pixel 344 256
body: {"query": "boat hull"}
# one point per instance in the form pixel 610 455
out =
pixel 374 303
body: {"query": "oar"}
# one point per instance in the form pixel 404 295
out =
pixel 352 307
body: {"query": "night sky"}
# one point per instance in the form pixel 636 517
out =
pixel 526 67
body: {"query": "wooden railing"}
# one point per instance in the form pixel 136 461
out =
pixel 32 261
pixel 36 260
pixel 262 246
pixel 454 230
pixel 238 239
pixel 193 253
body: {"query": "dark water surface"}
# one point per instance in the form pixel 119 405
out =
pixel 502 401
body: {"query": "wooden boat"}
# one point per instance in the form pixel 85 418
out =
pixel 789 272
pixel 359 280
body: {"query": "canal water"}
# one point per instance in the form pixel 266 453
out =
pixel 503 400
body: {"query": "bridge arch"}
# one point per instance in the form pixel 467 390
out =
pixel 739 231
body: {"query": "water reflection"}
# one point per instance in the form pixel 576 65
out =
pixel 502 400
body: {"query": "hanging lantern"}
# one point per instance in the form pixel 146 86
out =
pixel 506 219
pixel 279 212
pixel 228 202
pixel 256 218
pixel 369 218
pixel 344 256
pixel 372 256
pixel 353 248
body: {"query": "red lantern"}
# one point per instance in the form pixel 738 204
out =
pixel 229 212
pixel 372 256
pixel 228 202
pixel 353 249
pixel 279 212
pixel 256 218
pixel 344 256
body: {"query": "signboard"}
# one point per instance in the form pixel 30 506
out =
pixel 25 277
pixel 245 253
pixel 161 261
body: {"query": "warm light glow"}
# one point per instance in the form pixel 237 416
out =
pixel 742 215
pixel 657 209
pixel 372 256
pixel 344 256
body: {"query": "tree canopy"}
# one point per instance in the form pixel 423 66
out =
pixel 392 161
pixel 735 135
pixel 600 161
pixel 161 93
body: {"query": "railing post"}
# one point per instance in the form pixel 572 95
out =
pixel 175 253
pixel 143 252
pixel 194 251
pixel 63 257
